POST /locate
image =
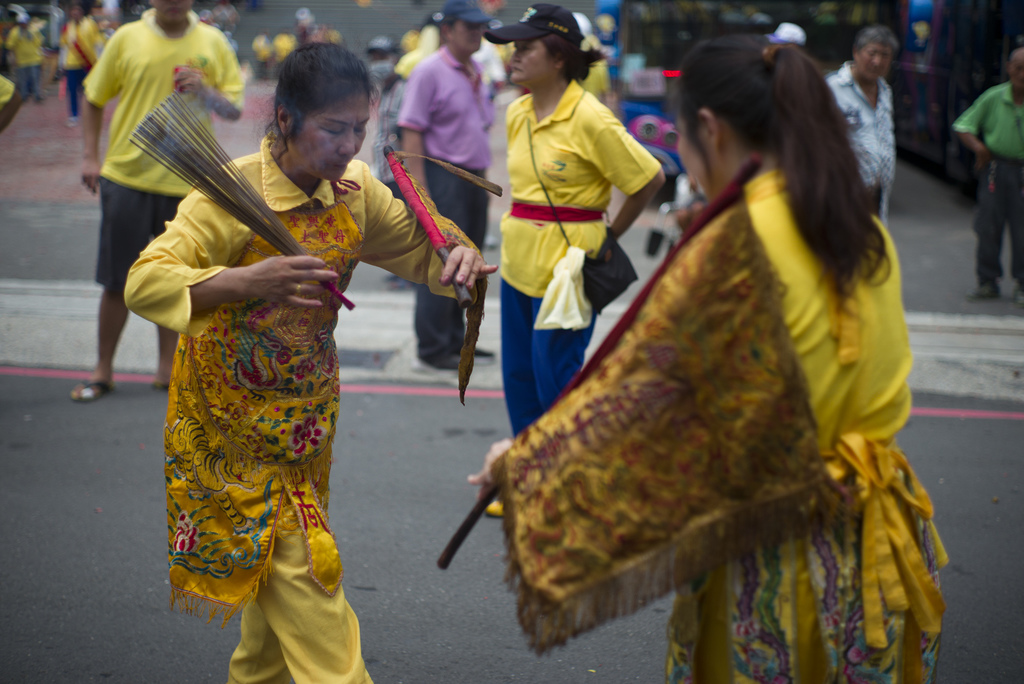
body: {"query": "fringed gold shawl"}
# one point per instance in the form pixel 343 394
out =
pixel 691 442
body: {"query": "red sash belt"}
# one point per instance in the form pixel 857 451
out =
pixel 539 212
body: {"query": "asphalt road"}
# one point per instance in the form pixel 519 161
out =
pixel 84 569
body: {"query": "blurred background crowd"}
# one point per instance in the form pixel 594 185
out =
pixel 950 50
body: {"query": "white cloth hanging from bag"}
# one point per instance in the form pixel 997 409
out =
pixel 564 305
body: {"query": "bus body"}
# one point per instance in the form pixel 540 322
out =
pixel 951 51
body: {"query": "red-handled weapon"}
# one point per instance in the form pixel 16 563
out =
pixel 443 233
pixel 426 211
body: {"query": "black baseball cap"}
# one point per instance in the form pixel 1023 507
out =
pixel 467 10
pixel 538 21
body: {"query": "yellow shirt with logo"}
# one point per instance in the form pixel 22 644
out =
pixel 138 65
pixel 581 150
pixel 26 45
pixel 87 36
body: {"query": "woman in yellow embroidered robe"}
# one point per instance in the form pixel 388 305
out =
pixel 253 403
pixel 856 600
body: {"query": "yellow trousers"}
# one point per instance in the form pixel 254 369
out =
pixel 295 630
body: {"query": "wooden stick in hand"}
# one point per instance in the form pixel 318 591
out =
pixel 464 529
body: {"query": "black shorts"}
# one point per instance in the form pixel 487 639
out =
pixel 129 220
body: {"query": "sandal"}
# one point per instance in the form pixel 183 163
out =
pixel 91 391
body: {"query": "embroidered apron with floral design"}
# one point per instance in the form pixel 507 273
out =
pixel 252 413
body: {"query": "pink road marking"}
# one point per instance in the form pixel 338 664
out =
pixel 407 390
pixel 416 391
pixel 423 391
pixel 965 413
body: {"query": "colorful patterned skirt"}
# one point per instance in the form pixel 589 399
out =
pixel 794 614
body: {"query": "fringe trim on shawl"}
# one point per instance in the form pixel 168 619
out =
pixel 474 317
pixel 701 547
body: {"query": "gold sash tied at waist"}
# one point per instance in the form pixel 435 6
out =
pixel 891 561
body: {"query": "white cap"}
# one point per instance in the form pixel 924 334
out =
pixel 788 33
pixel 584 23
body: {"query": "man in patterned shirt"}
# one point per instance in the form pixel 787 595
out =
pixel 865 99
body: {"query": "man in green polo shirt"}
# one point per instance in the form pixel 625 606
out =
pixel 993 128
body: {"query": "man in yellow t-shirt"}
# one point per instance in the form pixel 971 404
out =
pixel 25 44
pixel 80 38
pixel 10 101
pixel 168 49
pixel 284 43
pixel 263 50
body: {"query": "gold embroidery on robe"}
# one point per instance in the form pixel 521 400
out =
pixel 253 409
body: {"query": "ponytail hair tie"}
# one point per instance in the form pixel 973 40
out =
pixel 769 55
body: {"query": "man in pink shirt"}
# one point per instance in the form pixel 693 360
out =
pixel 446 113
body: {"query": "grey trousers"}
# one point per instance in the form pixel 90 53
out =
pixel 440 328
pixel 1000 201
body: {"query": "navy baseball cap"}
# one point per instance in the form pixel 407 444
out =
pixel 467 10
pixel 538 21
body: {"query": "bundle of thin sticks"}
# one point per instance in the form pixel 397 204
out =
pixel 174 136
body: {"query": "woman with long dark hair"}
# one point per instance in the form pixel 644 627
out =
pixel 253 403
pixel 565 152
pixel 810 610
pixel 851 597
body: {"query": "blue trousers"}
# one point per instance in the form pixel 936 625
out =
pixel 75 77
pixel 535 364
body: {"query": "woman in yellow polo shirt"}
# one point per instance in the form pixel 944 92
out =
pixel 565 152
pixel 253 398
